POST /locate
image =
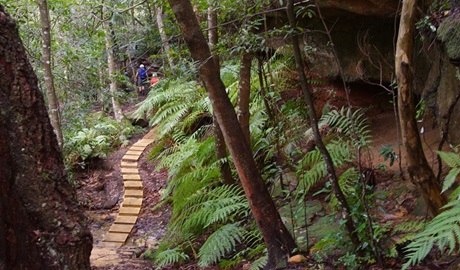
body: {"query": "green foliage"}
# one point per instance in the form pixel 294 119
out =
pixel 444 230
pixel 220 243
pixel 95 137
pixel 175 107
pixel 350 124
pixel 259 263
pixel 350 134
pixel 170 256
pixel 387 152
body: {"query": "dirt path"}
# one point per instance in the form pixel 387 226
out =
pixel 118 241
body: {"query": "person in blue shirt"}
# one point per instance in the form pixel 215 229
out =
pixel 141 77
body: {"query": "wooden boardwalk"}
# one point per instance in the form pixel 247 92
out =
pixel 108 252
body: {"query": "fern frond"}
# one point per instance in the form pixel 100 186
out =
pixel 451 158
pixel 220 243
pixel 259 263
pixel 442 231
pixel 350 124
pixel 170 256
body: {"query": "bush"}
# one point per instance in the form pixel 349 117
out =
pixel 94 137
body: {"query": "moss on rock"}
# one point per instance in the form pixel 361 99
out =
pixel 449 33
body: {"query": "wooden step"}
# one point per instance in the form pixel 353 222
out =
pixel 137 148
pixel 129 211
pixel 133 184
pixel 134 193
pixel 131 177
pixel 132 202
pixel 125 164
pixel 121 228
pixel 143 142
pixel 132 152
pixel 115 237
pixel 129 158
pixel 125 220
pixel 129 171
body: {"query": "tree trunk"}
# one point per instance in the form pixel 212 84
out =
pixel 163 36
pixel 277 238
pixel 419 170
pixel 221 148
pixel 41 226
pixel 53 107
pixel 331 174
pixel 244 92
pixel 112 70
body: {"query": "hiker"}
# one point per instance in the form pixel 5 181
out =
pixel 154 80
pixel 141 76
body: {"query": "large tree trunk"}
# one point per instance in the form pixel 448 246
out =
pixel 418 168
pixel 41 226
pixel 277 238
pixel 163 36
pixel 244 93
pixel 112 70
pixel 53 107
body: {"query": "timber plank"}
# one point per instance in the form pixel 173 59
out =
pixel 133 185
pixel 129 158
pixel 129 171
pixel 125 164
pixel 131 177
pixel 125 220
pixel 132 202
pixel 115 237
pixel 134 152
pixel 121 228
pixel 129 211
pixel 134 193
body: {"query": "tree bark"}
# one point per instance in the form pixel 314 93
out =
pixel 221 148
pixel 244 92
pixel 331 174
pixel 41 226
pixel 112 70
pixel 277 238
pixel 163 36
pixel 419 170
pixel 53 106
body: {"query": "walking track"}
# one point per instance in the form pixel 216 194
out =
pixel 111 249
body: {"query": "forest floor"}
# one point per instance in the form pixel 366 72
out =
pixel 101 185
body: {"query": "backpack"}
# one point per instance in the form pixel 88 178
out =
pixel 142 73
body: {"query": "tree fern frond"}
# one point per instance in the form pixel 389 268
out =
pixel 350 124
pixel 170 256
pixel 450 179
pixel 222 214
pixel 259 263
pixel 220 243
pixel 451 158
pixel 442 231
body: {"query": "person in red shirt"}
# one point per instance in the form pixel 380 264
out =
pixel 154 79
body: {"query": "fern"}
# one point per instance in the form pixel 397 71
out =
pixel 350 124
pixel 312 167
pixel 220 243
pixel 259 263
pixel 444 230
pixel 453 161
pixel 170 256
pixel 175 107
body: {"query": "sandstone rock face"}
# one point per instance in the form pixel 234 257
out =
pixel 375 8
pixel 363 35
